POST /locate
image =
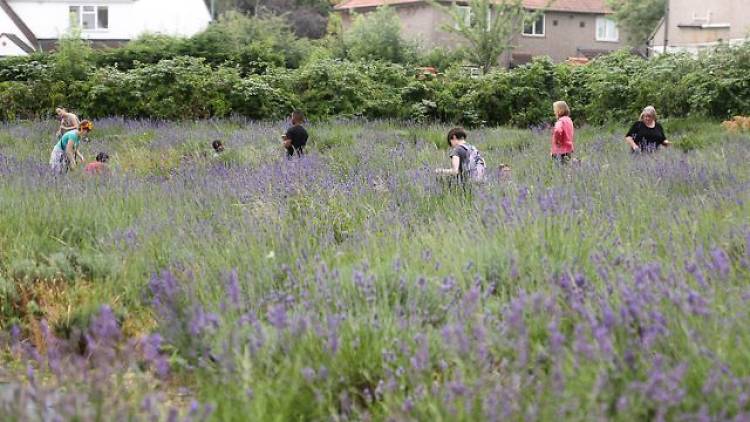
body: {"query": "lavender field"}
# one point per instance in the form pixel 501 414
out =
pixel 353 284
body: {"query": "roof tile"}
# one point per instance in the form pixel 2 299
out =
pixel 577 6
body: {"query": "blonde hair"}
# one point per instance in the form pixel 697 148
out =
pixel 561 108
pixel 648 111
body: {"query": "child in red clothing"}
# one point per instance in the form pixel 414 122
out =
pixel 562 134
pixel 99 166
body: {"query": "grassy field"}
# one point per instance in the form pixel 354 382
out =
pixel 356 285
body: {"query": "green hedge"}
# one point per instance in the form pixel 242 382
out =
pixel 614 87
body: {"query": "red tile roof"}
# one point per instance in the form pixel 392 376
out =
pixel 577 6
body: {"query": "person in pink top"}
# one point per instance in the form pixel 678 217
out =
pixel 562 134
pixel 99 166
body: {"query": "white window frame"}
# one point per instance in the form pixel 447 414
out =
pixel 79 14
pixel 468 15
pixel 534 27
pixel 611 31
pixel 466 12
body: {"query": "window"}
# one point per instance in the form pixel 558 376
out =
pixel 606 30
pixel 464 13
pixel 535 27
pixel 89 18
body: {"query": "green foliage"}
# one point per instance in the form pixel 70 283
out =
pixel 489 29
pixel 235 37
pixel 148 49
pixel 638 17
pixel 181 88
pixel 377 36
pixel 342 88
pixel 73 58
pixel 26 68
pixel 442 58
pixel 612 88
pixel 20 100
pixel 255 44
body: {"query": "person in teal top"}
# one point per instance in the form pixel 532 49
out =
pixel 65 153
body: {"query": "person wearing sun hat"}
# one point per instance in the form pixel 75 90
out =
pixel 65 154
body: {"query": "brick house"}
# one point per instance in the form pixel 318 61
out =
pixel 565 29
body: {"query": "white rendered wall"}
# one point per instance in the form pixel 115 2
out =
pixel 9 48
pixel 7 25
pixel 127 18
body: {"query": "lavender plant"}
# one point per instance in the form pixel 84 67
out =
pixel 353 284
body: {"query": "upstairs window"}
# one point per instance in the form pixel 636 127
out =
pixel 89 18
pixel 534 27
pixel 469 18
pixel 606 30
pixel 464 13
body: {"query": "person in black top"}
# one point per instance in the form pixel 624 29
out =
pixel 646 134
pixel 296 136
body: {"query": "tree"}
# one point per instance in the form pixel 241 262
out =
pixel 377 36
pixel 307 18
pixel 638 17
pixel 488 26
pixel 73 57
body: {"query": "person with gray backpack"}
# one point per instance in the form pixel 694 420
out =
pixel 466 162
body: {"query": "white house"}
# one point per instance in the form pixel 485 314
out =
pixel 36 25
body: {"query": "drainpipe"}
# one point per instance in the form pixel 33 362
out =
pixel 213 9
pixel 666 26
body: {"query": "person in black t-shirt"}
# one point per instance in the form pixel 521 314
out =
pixel 295 138
pixel 646 134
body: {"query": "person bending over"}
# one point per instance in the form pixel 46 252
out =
pixel 99 166
pixel 295 138
pixel 646 134
pixel 65 154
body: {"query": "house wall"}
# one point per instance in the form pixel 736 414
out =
pixel 7 25
pixel 9 48
pixel 426 24
pixel 734 12
pixel 572 33
pixel 127 18
pixel 419 22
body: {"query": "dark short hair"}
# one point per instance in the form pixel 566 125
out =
pixel 458 132
pixel 216 144
pixel 298 116
pixel 102 157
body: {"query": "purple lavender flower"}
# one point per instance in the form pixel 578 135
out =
pixel 277 316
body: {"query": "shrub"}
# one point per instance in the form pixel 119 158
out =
pixel 235 36
pixel 172 89
pixel 377 36
pixel 72 61
pixel 335 87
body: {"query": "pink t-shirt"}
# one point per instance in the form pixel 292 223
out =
pixel 562 136
pixel 95 168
